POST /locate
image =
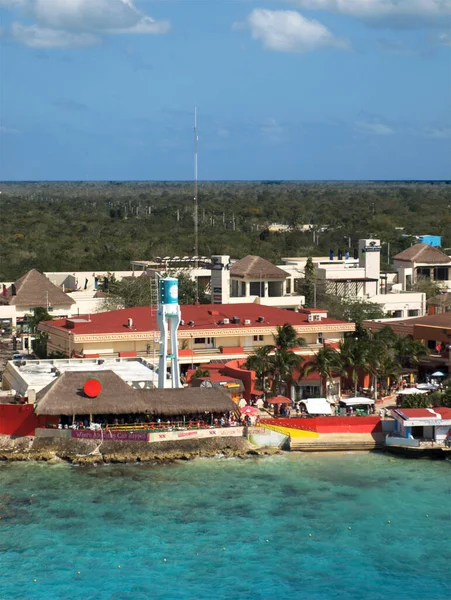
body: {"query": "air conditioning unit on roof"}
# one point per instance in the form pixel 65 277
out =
pixel 226 321
pixel 247 321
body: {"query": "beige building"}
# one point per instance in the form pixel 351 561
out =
pixel 206 333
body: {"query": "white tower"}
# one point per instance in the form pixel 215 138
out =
pixel 370 260
pixel 168 317
pixel 220 279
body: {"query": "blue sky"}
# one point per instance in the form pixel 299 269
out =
pixel 301 89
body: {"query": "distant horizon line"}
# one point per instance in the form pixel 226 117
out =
pixel 34 181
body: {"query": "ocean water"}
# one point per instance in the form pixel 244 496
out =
pixel 316 527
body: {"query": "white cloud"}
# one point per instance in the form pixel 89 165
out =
pixel 396 13
pixel 8 130
pixel 375 128
pixel 35 36
pixel 443 39
pixel 76 23
pixel 289 31
pixel 442 133
pixel 272 131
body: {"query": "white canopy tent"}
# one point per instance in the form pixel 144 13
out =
pixel 317 406
pixel 407 391
pixel 359 401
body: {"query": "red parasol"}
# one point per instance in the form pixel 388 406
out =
pixel 249 410
pixel 279 400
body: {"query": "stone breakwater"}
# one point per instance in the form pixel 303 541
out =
pixel 96 452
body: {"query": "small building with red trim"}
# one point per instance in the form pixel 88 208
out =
pixel 416 425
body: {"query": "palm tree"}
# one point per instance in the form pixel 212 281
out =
pixel 260 362
pixel 382 363
pixel 287 337
pixel 409 351
pixel 354 356
pixel 326 361
pixel 281 368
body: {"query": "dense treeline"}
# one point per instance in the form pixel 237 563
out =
pixel 78 226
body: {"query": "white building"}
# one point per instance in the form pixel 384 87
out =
pixel 360 277
pixel 422 261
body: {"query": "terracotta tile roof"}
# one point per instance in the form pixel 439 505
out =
pixel 34 289
pixel 423 253
pixel 406 326
pixel 202 317
pixel 254 267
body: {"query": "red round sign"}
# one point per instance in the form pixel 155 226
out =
pixel 92 388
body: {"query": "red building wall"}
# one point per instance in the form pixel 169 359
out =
pixel 233 369
pixel 20 420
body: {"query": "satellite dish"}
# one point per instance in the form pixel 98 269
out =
pixel 207 384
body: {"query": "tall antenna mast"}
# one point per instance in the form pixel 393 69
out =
pixel 196 203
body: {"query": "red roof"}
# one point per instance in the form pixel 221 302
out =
pixel 443 411
pixel 144 319
pixel 416 413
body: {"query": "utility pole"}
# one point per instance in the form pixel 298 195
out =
pixel 196 203
pixel 196 207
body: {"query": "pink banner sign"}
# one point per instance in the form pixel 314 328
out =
pixel 123 436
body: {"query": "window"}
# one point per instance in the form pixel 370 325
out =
pixel 320 339
pixel 424 272
pixel 397 314
pixel 258 338
pixel 199 340
pixel 288 287
pixel 431 344
pixel 243 288
pixel 257 288
pixel 413 313
pixel 441 273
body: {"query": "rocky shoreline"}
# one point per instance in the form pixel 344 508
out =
pixel 91 452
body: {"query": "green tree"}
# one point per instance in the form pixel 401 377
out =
pixel 326 362
pixel 282 364
pixel 201 373
pixel 38 314
pixel 354 357
pixel 260 362
pixel 428 287
pixel 287 337
pixel 416 401
pixel 137 291
pixel 307 285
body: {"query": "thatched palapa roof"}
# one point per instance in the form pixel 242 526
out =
pixel 35 289
pixel 65 396
pixel 254 267
pixel 423 253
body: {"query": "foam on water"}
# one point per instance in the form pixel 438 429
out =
pixel 293 526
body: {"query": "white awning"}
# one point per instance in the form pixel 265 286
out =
pixel 359 401
pixel 407 391
pixel 317 406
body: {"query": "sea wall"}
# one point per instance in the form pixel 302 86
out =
pixel 83 451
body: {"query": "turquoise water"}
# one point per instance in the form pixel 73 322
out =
pixel 270 528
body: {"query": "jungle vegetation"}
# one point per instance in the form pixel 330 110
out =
pixel 82 226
